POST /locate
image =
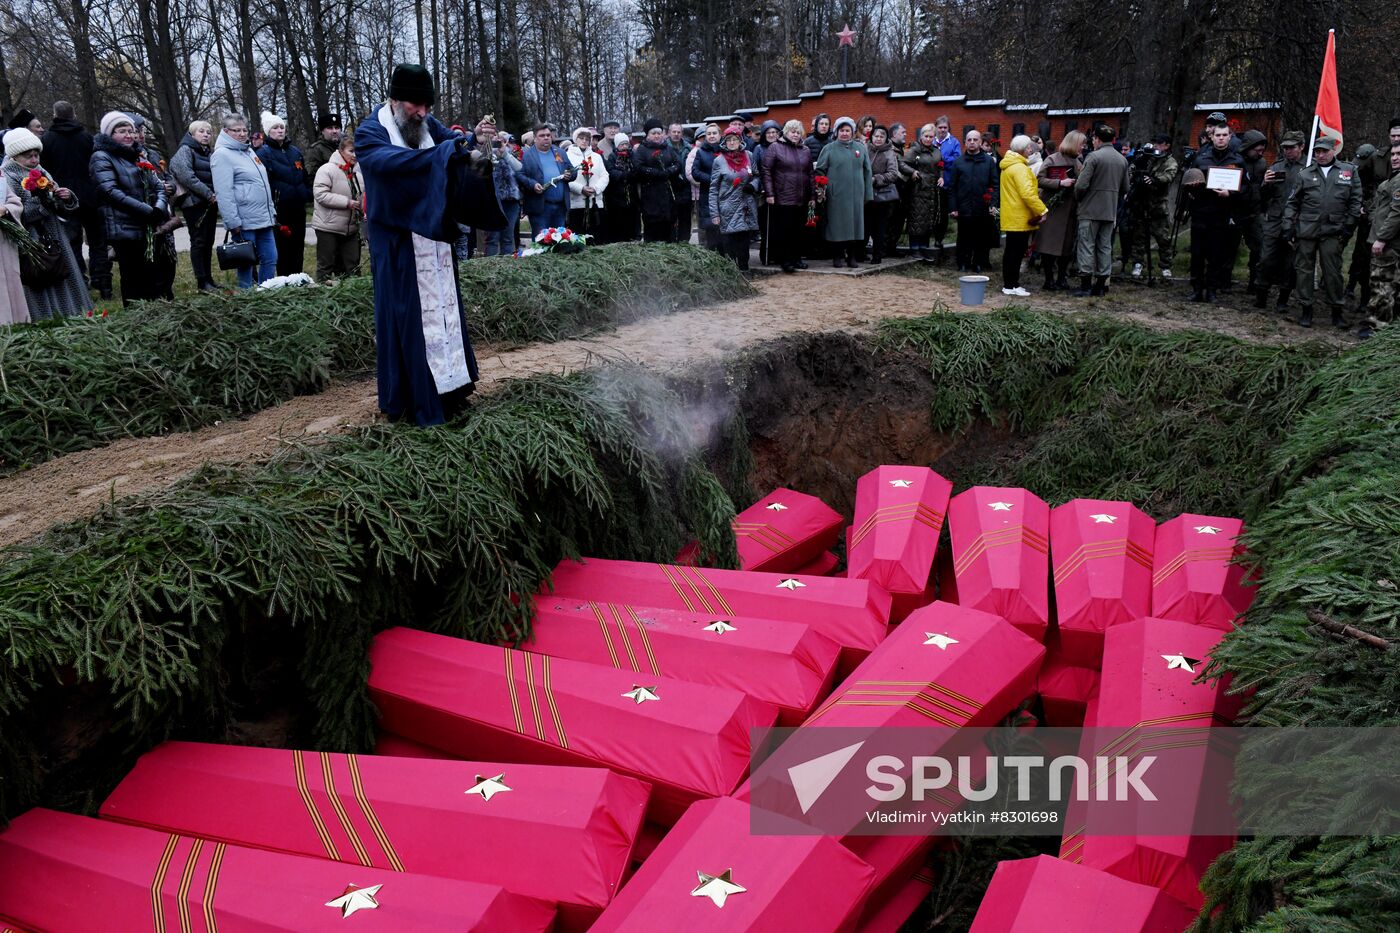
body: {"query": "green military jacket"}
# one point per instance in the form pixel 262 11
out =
pixel 1273 198
pixel 1163 172
pixel 1385 213
pixel 1321 206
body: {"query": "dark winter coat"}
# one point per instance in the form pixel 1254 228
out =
pixel 847 168
pixel 132 199
pixel 286 171
pixel 884 172
pixel 680 185
pixel 815 143
pixel 68 156
pixel 975 185
pixel 656 167
pixel 318 154
pixel 190 166
pixel 732 195
pixel 786 173
pixel 924 204
pixel 621 192
pixel 700 171
pixel 1273 197
pixel 1057 230
pixel 1207 206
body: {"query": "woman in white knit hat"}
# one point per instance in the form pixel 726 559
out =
pixel 291 192
pixel 58 290
pixel 134 203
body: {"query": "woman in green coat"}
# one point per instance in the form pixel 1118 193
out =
pixel 923 165
pixel 845 164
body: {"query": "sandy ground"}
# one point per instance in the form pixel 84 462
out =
pixel 78 484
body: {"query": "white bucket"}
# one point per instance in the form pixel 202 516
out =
pixel 974 288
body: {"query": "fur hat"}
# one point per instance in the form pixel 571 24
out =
pixel 20 140
pixel 412 83
pixel 22 118
pixel 328 120
pixel 269 120
pixel 843 121
pixel 113 119
pixel 652 124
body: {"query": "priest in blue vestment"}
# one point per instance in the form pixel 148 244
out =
pixel 421 180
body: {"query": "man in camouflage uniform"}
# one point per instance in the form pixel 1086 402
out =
pixel 1252 143
pixel 1276 259
pixel 1322 210
pixel 1384 247
pixel 1148 212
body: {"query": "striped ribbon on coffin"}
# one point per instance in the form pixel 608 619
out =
pixel 1046 895
pixel 1148 698
pixel 852 613
pixel 893 538
pixel 945 666
pixel 1102 556
pixel 558 834
pixel 711 873
pixel 787 664
pixel 1194 577
pixel 784 531
pixel 73 874
pixel 688 740
pixel 1001 554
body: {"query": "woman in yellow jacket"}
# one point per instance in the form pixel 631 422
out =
pixel 1021 211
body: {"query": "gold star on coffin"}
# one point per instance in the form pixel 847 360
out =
pixel 1182 661
pixel 791 584
pixel 356 898
pixel 939 640
pixel 776 507
pixel 999 506
pixel 640 695
pixel 1102 519
pixel 488 787
pixel 719 627
pixel 1207 530
pixel 717 887
pixel 901 483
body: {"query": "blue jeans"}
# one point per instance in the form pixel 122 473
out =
pixel 266 247
pixel 549 215
pixel 502 242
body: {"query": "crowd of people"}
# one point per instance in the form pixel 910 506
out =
pixel 837 190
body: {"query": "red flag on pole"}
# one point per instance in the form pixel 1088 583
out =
pixel 1327 116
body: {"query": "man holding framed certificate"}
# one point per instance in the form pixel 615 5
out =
pixel 1323 209
pixel 1215 208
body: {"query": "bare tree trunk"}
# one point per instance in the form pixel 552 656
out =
pixel 298 94
pixel 89 98
pixel 418 27
pixel 160 57
pixel 7 104
pixel 216 21
pixel 247 70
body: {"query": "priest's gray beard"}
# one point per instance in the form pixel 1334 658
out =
pixel 411 128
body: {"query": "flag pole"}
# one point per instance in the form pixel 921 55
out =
pixel 1312 141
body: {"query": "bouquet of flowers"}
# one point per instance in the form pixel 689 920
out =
pixel 42 187
pixel 987 198
pixel 587 168
pixel 559 240
pixel 14 231
pixel 820 182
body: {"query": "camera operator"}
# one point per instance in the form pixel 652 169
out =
pixel 1154 170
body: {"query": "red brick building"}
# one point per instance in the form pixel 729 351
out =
pixel 1000 119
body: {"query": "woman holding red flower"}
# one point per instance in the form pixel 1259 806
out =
pixel 788 187
pixel 733 205
pixel 134 203
pixel 64 292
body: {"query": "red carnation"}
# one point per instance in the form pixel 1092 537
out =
pixel 736 181
pixel 284 230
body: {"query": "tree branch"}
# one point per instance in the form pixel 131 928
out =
pixel 1350 631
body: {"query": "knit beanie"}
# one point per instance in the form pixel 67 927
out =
pixel 269 120
pixel 621 139
pixel 18 141
pixel 113 119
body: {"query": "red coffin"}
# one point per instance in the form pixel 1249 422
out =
pixel 798 883
pixel 1046 895
pixel 1147 689
pixel 1001 555
pixel 67 873
pixel 784 531
pixel 688 740
pixel 783 663
pixel 1193 577
pixel 945 666
pixel 821 567
pixel 1102 554
pixel 890 914
pixel 1065 691
pixel 562 835
pixel 894 537
pixel 852 613
pixel 395 746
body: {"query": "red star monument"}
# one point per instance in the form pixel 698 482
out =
pixel 846 35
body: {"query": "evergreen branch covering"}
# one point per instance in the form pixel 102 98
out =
pixel 162 366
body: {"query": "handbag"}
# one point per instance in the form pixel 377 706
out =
pixel 239 255
pixel 44 266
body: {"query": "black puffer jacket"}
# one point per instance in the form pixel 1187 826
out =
pixel 132 199
pixel 190 167
pixel 287 172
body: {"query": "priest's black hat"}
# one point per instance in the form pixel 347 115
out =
pixel 327 120
pixel 412 83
